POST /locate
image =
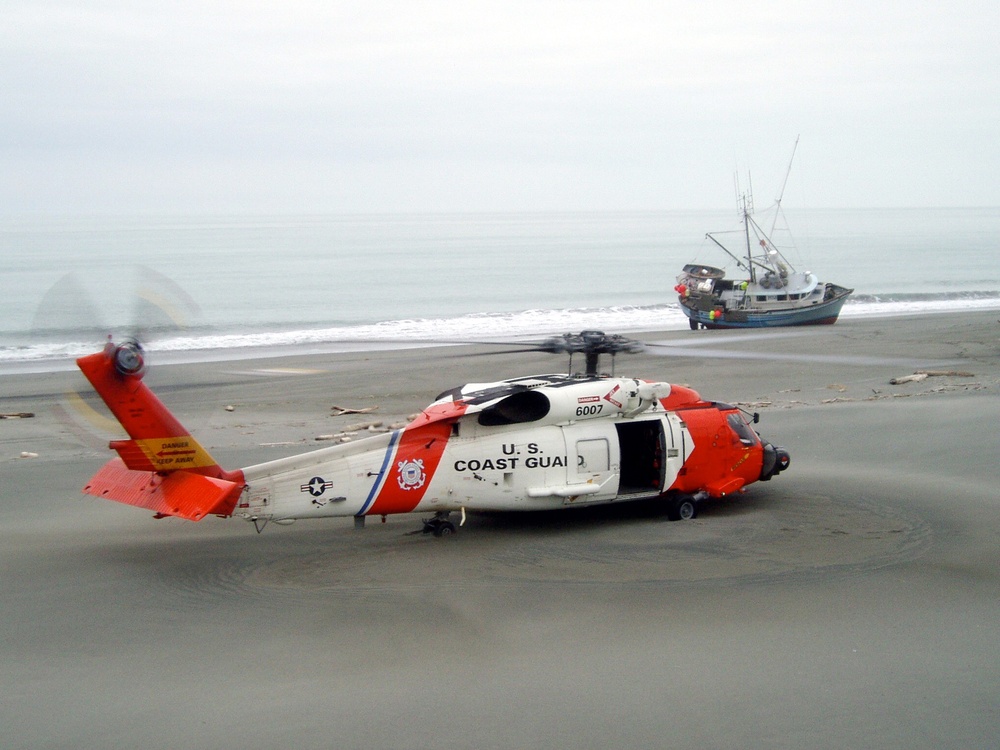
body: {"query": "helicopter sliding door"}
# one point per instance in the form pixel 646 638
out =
pixel 591 461
pixel 643 449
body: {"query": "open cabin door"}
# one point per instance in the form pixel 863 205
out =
pixel 644 450
pixel 591 462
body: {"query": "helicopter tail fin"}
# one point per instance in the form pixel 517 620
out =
pixel 162 467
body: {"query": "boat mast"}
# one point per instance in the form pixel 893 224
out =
pixel 746 231
pixel 744 202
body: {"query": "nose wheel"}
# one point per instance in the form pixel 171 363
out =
pixel 439 525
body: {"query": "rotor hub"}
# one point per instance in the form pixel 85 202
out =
pixel 129 359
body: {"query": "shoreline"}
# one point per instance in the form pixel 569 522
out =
pixel 306 341
pixel 395 341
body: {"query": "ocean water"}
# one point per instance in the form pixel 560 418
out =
pixel 207 284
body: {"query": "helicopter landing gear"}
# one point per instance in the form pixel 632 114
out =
pixel 681 508
pixel 439 525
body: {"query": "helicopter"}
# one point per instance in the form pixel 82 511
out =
pixel 531 443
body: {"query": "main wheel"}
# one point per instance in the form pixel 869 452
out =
pixel 686 509
pixel 445 528
pixel 682 508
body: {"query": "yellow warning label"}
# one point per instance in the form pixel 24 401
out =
pixel 170 454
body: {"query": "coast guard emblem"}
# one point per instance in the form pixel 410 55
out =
pixel 411 474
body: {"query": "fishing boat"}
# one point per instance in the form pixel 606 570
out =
pixel 769 292
pixel 764 300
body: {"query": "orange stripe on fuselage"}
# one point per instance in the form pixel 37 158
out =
pixel 417 458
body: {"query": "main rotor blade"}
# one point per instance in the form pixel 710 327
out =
pixel 670 349
pixel 714 337
pixel 493 353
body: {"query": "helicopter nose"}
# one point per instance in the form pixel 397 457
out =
pixel 776 460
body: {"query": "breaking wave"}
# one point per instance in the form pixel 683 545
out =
pixel 55 349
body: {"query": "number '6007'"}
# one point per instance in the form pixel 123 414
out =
pixel 590 410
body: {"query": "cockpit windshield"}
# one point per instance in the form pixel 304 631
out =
pixel 741 428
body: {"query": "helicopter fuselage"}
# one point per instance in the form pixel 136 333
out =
pixel 528 444
pixel 532 443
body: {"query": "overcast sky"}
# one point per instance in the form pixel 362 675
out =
pixel 125 106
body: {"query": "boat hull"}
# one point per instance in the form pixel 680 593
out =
pixel 821 313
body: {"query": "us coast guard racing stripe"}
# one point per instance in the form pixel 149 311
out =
pixel 409 475
pixel 380 479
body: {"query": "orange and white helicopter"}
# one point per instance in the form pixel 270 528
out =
pixel 530 443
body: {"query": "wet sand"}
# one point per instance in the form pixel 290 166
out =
pixel 853 601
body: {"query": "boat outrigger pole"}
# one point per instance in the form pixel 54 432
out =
pixel 739 262
pixel 781 193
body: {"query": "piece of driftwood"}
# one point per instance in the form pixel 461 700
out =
pixel 340 410
pixel 18 415
pixel 362 426
pixel 924 374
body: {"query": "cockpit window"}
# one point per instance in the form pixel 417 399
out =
pixel 741 428
pixel 527 406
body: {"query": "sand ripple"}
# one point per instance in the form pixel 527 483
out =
pixel 812 535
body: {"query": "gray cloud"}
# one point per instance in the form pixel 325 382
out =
pixel 307 106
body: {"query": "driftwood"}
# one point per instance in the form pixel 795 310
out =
pixel 924 374
pixel 341 410
pixel 362 426
pixel 18 415
pixel 349 433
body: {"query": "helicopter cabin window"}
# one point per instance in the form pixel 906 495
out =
pixel 593 455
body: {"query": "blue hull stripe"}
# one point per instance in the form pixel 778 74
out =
pixel 393 441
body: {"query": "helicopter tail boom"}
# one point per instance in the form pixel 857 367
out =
pixel 162 467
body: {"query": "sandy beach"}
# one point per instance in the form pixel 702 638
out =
pixel 852 602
